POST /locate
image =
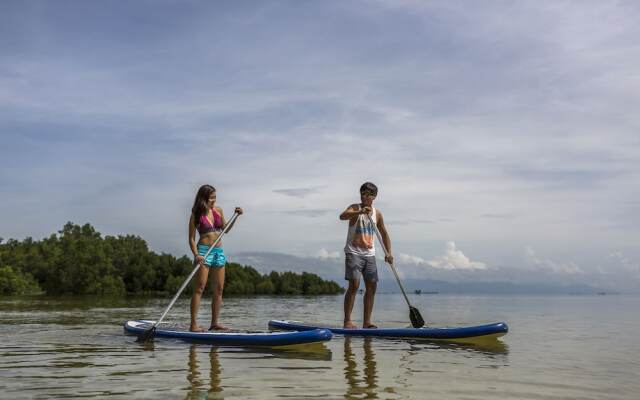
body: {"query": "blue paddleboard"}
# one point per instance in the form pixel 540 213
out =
pixel 466 333
pixel 234 338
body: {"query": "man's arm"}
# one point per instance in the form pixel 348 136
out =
pixel 385 237
pixel 350 213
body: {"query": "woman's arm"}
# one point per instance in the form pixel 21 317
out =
pixel 192 241
pixel 238 210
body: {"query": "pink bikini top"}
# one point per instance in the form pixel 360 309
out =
pixel 204 225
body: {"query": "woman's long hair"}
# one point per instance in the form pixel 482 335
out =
pixel 200 203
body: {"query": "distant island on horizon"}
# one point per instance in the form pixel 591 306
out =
pixel 333 269
pixel 79 260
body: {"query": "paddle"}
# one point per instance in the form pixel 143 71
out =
pixel 414 315
pixel 146 336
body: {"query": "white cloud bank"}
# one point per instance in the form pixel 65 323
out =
pixel 620 260
pixel 325 254
pixel 532 260
pixel 620 265
pixel 452 259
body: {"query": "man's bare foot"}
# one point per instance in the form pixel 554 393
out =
pixel 349 325
pixel 218 327
pixel 195 328
pixel 369 326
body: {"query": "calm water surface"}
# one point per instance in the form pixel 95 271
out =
pixel 572 347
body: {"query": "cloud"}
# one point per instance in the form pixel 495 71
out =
pixel 308 213
pixel 455 259
pixel 410 259
pixel 619 272
pixel 498 216
pixel 324 254
pixel 452 259
pixel 411 221
pixel 557 178
pixel 298 192
pixel 468 127
pixel 532 260
pixel 619 260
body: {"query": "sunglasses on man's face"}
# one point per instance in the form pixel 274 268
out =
pixel 368 193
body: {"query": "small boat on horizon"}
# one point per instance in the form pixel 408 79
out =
pixel 419 291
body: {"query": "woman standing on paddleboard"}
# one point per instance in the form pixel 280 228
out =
pixel 209 221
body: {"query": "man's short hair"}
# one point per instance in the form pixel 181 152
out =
pixel 369 187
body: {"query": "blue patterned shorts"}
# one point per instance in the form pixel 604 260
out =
pixel 216 257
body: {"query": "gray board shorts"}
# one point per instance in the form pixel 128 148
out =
pixel 356 266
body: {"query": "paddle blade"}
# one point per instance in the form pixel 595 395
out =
pixel 148 335
pixel 416 319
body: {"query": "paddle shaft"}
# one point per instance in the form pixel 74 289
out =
pixel 186 282
pixel 386 253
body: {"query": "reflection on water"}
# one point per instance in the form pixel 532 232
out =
pixel 148 345
pixel 71 347
pixel 361 365
pixel 215 374
pixel 489 347
pixel 364 387
pixel 362 373
pixel 194 376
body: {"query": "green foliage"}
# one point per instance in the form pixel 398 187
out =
pixel 15 282
pixel 266 287
pixel 246 280
pixel 78 260
pixel 108 285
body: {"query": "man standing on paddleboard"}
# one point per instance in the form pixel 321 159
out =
pixel 360 252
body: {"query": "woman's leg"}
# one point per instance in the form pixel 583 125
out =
pixel 217 285
pixel 198 289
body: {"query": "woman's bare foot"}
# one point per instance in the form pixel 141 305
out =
pixel 218 327
pixel 196 328
pixel 349 325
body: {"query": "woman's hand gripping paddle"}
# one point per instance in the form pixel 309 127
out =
pixel 148 335
pixel 414 315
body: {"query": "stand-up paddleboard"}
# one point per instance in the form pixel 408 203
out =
pixel 462 334
pixel 234 338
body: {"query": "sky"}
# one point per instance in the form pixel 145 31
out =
pixel 504 139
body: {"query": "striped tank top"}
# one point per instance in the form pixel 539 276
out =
pixel 361 236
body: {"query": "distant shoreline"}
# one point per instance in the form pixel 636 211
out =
pixel 79 261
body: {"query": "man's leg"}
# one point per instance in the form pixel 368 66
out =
pixel 349 300
pixel 369 296
pixel 370 275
